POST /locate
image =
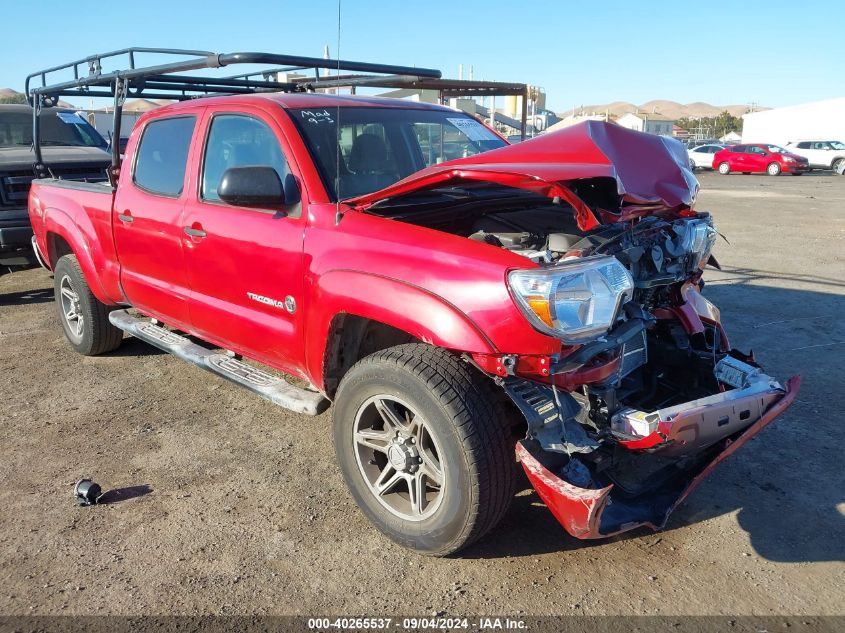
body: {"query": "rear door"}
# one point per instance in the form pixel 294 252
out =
pixel 147 218
pixel 737 157
pixel 244 265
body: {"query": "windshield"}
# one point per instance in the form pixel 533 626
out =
pixel 837 145
pixel 58 128
pixel 379 146
pixel 776 149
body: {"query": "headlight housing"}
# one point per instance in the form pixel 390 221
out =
pixel 702 238
pixel 575 301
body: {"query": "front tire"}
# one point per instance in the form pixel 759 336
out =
pixel 837 166
pixel 773 169
pixel 424 448
pixel 724 168
pixel 84 318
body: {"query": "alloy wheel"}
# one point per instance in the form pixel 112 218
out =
pixel 398 456
pixel 71 310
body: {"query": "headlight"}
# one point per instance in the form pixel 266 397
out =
pixel 693 241
pixel 574 301
pixel 702 240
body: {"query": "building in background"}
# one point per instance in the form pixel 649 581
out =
pixel 573 119
pixel 650 122
pixel 818 119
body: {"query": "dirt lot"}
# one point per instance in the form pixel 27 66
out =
pixel 245 510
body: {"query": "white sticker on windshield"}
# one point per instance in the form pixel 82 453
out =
pixel 473 129
pixel 71 118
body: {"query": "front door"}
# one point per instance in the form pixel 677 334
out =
pixel 147 219
pixel 244 265
pixel 757 159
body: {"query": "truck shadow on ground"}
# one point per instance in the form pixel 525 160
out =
pixel 132 346
pixel 785 486
pixel 26 297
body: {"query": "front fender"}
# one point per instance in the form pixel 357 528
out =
pixel 397 303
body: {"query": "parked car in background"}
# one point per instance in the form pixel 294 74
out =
pixel 701 156
pixel 759 158
pixel 690 143
pixel 821 154
pixel 73 150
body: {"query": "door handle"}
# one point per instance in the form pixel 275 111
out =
pixel 125 217
pixel 189 230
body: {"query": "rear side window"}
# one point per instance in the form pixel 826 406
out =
pixel 163 154
pixel 804 145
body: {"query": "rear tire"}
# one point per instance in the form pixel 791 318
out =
pixel 416 413
pixel 773 169
pixel 724 169
pixel 84 318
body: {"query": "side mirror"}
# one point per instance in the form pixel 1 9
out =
pixel 291 187
pixel 257 186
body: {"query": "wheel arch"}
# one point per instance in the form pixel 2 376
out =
pixel 63 237
pixel 355 314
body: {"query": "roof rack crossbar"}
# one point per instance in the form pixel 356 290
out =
pixel 168 81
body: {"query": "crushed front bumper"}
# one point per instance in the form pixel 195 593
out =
pixel 589 513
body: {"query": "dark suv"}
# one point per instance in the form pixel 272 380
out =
pixel 72 150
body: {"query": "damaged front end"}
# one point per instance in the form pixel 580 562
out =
pixel 608 489
pixel 646 395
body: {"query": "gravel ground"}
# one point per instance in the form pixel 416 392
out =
pixel 230 505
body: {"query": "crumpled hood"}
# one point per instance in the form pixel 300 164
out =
pixel 651 172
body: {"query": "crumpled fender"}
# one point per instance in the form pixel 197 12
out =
pixel 580 510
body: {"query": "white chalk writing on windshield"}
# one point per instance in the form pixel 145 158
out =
pixel 316 116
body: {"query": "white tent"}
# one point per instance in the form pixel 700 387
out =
pixel 819 119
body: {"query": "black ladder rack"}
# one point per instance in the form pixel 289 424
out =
pixel 169 81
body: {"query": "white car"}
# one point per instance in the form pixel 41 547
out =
pixel 702 155
pixel 821 154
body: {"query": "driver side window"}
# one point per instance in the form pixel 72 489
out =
pixel 237 140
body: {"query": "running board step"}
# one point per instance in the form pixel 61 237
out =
pixel 272 388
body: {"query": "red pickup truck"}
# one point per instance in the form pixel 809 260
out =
pixel 459 300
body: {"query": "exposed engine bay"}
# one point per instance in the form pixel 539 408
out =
pixel 646 392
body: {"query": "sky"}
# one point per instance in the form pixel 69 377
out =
pixel 773 53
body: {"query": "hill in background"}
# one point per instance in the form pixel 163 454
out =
pixel 672 109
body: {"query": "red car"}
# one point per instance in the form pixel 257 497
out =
pixel 758 158
pixel 540 298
